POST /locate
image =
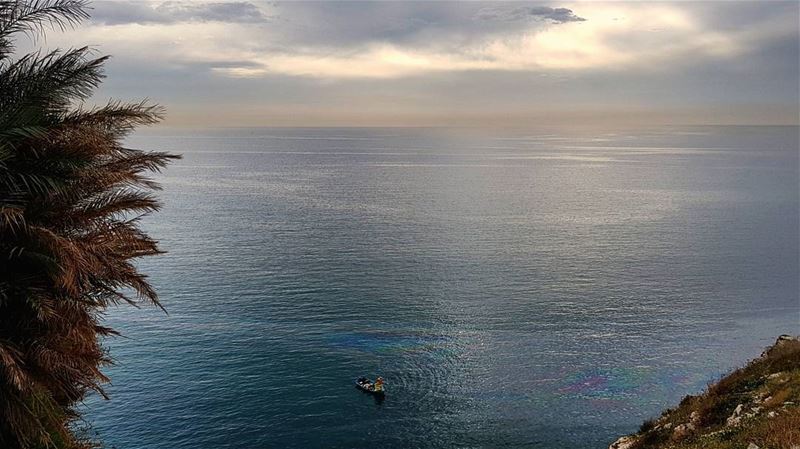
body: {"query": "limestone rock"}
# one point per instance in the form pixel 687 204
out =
pixel 623 443
pixel 782 340
pixel 752 446
pixel 736 416
pixel 682 430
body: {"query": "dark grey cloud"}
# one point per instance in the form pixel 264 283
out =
pixel 554 15
pixel 446 24
pixel 223 11
pixel 558 15
pixel 121 12
pixel 344 22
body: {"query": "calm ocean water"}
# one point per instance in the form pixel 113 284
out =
pixel 517 289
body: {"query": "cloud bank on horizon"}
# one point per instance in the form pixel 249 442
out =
pixel 251 62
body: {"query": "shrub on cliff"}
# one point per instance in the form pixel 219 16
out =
pixel 756 406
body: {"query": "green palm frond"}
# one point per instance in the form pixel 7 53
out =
pixel 47 85
pixel 18 16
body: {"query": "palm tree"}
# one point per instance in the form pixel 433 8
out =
pixel 71 197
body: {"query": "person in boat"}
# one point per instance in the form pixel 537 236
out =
pixel 378 385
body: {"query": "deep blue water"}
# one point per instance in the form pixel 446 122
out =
pixel 516 288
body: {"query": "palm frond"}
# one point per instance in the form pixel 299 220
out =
pixel 71 197
pixel 32 16
pixel 46 85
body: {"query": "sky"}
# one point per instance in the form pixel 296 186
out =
pixel 254 63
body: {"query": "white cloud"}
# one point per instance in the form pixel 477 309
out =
pixel 615 36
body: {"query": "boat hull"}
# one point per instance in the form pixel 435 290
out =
pixel 366 386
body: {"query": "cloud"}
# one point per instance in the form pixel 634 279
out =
pixel 141 12
pixel 554 15
pixel 558 15
pixel 615 37
pixel 242 12
pixel 332 41
pixel 422 63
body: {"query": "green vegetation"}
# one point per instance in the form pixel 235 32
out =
pixel 755 406
pixel 71 197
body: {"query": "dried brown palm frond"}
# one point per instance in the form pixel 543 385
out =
pixel 71 197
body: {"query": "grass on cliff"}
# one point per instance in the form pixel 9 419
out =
pixel 768 390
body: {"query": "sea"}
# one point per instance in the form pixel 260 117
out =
pixel 516 288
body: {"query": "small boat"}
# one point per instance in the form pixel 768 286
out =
pixel 367 386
